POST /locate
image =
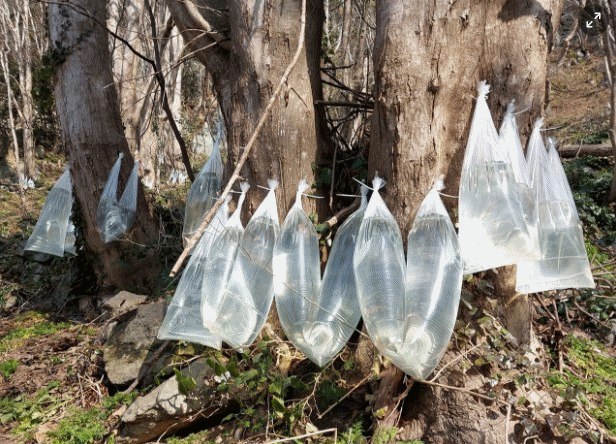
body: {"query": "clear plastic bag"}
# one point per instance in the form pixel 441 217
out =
pixel 203 192
pixel 116 217
pixel 510 142
pixel 332 320
pixel 49 233
pixel 492 228
pixel 379 267
pixel 219 264
pixel 183 320
pixel 433 286
pixel 564 262
pixel 297 273
pixel 250 290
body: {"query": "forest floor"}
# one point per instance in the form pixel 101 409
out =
pixel 53 387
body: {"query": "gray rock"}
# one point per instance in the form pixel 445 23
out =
pixel 165 410
pixel 124 301
pixel 130 342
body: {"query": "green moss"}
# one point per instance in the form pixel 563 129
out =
pixel 80 427
pixel 30 325
pixel 8 367
pixel 593 383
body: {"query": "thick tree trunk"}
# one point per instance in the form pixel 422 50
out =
pixel 89 114
pixel 429 58
pixel 246 49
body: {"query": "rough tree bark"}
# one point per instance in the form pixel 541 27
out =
pixel 428 59
pixel 246 46
pixel 92 134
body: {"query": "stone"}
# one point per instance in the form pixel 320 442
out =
pixel 165 410
pixel 130 342
pixel 124 301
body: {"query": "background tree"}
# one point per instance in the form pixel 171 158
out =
pixel 93 135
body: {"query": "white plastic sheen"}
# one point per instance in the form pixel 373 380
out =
pixel 492 228
pixel 183 318
pixel 433 285
pixel 219 264
pixel 250 289
pixel 564 262
pixel 49 234
pixel 331 321
pixel 379 267
pixel 297 275
pixel 203 191
pixel 116 217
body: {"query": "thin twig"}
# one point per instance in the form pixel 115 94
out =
pixel 342 214
pixel 346 395
pixel 146 365
pixel 307 435
pixel 463 390
pixel 247 149
pixel 454 360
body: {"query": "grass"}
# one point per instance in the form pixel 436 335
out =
pixel 33 325
pixel 589 379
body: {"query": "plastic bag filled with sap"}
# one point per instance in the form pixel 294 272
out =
pixel 219 264
pixel 116 217
pixel 204 190
pixel 512 146
pixel 433 286
pixel 183 320
pixel 564 262
pixel 49 234
pixel 379 268
pixel 297 273
pixel 250 290
pixel 492 228
pixel 332 320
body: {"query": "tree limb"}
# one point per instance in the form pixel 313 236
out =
pixel 163 94
pixel 248 148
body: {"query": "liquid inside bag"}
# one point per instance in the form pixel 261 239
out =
pixel 433 285
pixel 564 262
pixel 379 268
pixel 510 142
pixel 250 290
pixel 49 234
pixel 183 317
pixel 114 217
pixel 204 190
pixel 297 274
pixel 219 264
pixel 492 228
pixel 333 319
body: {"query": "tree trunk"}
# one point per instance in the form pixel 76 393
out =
pixel 246 46
pixel 92 132
pixel 428 59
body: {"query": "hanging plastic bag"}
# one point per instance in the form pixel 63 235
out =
pixel 332 320
pixel 492 228
pixel 219 264
pixel 114 217
pixel 379 267
pixel 183 320
pixel 250 289
pixel 297 273
pixel 49 233
pixel 433 286
pixel 510 142
pixel 564 262
pixel 203 191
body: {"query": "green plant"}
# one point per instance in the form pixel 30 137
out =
pixel 8 367
pixel 384 435
pixel 80 427
pixel 353 435
pixel 33 325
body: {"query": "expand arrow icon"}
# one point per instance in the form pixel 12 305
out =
pixel 589 24
pixel 597 16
